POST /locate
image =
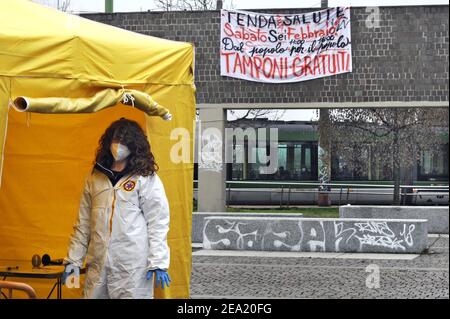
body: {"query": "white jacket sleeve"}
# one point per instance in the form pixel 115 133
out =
pixel 79 241
pixel 155 207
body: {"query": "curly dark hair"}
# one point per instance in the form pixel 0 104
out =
pixel 141 160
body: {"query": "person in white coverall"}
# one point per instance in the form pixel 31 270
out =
pixel 123 219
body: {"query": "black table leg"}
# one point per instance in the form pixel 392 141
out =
pixel 51 291
pixel 59 291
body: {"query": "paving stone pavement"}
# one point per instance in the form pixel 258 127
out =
pixel 426 276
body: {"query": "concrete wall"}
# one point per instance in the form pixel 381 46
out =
pixel 315 234
pixel 198 219
pixel 437 216
pixel 404 59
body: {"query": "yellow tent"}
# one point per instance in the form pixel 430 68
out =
pixel 45 157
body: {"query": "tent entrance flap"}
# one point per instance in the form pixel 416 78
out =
pixel 103 99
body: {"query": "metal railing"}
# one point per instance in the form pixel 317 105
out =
pixel 343 189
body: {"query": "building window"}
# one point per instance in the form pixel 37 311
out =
pixel 433 165
pixel 361 163
pixel 295 162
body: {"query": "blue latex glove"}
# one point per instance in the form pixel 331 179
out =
pixel 68 270
pixel 161 277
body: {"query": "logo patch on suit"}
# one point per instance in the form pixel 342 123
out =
pixel 129 186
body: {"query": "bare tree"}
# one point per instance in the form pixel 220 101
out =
pixel 43 2
pixel 229 4
pixel 254 114
pixel 324 157
pixel 394 135
pixel 61 5
pixel 185 5
pixel 166 5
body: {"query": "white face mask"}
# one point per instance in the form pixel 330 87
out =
pixel 119 151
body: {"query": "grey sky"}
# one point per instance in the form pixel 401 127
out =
pixel 144 5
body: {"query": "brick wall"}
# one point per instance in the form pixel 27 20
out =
pixel 405 59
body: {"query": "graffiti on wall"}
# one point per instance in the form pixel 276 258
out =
pixel 308 235
pixel 374 233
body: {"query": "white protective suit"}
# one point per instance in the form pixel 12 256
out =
pixel 122 232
